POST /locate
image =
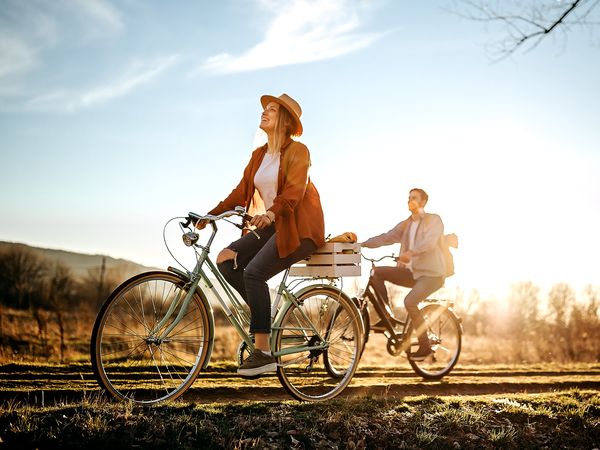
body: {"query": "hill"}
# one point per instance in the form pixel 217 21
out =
pixel 80 263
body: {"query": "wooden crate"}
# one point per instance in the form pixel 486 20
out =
pixel 333 260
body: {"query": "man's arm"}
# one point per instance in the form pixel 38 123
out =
pixel 391 237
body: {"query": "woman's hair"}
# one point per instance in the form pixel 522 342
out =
pixel 284 128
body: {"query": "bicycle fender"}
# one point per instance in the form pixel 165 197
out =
pixel 449 308
pixel 328 287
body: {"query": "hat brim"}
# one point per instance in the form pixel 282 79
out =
pixel 266 99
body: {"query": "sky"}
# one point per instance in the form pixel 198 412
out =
pixel 117 116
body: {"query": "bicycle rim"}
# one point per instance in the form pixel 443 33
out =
pixel 445 337
pixel 129 359
pixel 319 374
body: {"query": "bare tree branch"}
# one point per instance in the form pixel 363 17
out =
pixel 527 24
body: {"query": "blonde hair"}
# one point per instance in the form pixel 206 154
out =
pixel 284 128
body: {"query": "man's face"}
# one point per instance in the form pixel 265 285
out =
pixel 414 202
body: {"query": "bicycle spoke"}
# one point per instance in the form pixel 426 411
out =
pixel 162 368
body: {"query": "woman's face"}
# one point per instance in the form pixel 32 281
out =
pixel 268 118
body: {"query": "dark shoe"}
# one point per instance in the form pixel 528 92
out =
pixel 420 354
pixel 257 363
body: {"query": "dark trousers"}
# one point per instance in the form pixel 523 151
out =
pixel 421 289
pixel 256 262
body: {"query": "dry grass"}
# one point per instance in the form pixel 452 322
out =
pixel 556 420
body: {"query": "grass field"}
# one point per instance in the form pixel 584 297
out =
pixel 568 419
pixel 493 406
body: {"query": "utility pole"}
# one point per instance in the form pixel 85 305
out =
pixel 100 297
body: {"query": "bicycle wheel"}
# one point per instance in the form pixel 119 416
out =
pixel 324 317
pixel 445 336
pixel 130 359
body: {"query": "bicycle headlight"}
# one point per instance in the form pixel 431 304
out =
pixel 190 238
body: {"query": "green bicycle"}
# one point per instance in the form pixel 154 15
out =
pixel 155 332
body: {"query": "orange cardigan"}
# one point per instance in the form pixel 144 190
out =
pixel 297 206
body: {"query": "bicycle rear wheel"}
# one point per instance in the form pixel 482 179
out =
pixel 131 360
pixel 328 320
pixel 445 336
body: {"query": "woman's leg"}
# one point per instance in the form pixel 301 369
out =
pixel 264 266
pixel 232 260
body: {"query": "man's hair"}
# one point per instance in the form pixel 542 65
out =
pixel 422 193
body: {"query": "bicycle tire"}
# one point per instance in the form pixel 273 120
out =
pixel 445 333
pixel 318 375
pixel 128 360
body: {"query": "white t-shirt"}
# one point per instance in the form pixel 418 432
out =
pixel 265 179
pixel 412 233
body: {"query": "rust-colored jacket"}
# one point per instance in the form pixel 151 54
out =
pixel 297 206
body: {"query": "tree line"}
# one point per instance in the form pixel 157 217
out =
pixel 560 326
pixel 51 294
pixel 528 325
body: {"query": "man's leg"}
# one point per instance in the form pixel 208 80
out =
pixel 423 287
pixel 396 275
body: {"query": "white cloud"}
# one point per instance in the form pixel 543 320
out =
pixel 301 31
pixel 16 55
pixel 101 13
pixel 29 29
pixel 140 73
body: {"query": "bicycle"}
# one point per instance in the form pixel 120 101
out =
pixel 444 329
pixel 155 332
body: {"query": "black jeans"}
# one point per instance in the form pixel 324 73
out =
pixel 257 260
pixel 421 289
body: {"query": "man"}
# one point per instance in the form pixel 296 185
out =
pixel 421 264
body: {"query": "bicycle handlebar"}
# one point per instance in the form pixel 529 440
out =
pixel 392 256
pixel 238 211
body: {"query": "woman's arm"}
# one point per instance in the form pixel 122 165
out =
pixel 238 195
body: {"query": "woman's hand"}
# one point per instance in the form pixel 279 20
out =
pixel 263 220
pixel 200 224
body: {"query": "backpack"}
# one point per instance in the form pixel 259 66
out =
pixel 447 241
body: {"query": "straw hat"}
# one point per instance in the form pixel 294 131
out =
pixel 288 103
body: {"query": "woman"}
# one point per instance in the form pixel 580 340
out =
pixel 289 226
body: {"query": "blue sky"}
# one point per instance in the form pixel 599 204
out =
pixel 116 116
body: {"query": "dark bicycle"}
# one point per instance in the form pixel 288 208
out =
pixel 444 330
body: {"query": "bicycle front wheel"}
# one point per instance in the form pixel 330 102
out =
pixel 445 337
pixel 318 344
pixel 131 358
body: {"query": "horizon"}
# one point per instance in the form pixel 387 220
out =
pixel 360 282
pixel 116 117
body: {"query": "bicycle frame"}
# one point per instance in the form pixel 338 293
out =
pixel 384 312
pixel 236 314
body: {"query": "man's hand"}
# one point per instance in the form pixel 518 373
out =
pixel 405 257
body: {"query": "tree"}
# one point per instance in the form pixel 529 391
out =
pixel 60 291
pixel 561 300
pixel 21 277
pixel 523 303
pixel 525 24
